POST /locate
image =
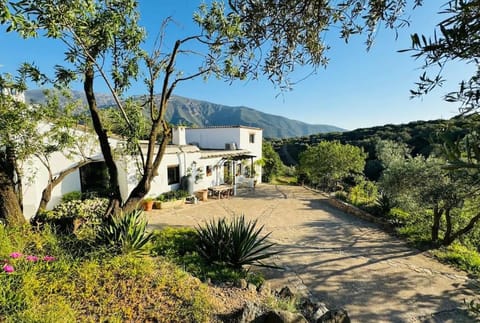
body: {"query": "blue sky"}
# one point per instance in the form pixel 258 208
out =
pixel 357 89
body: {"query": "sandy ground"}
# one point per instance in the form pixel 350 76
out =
pixel 338 259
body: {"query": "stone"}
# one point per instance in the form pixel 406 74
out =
pixel 251 312
pixel 279 316
pixel 242 283
pixel 335 316
pixel 321 309
pixel 252 287
pixel 265 289
pixel 285 292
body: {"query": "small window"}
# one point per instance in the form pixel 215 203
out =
pixel 252 138
pixel 173 174
pixel 208 170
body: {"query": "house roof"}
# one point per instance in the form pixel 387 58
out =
pixel 231 154
pixel 233 126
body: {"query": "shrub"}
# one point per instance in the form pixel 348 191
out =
pixel 75 195
pixel 172 195
pixel 126 233
pixel 461 256
pixel 364 193
pixel 384 203
pixel 76 216
pixel 236 244
pixel 174 242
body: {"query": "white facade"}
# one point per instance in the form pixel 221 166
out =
pixel 208 164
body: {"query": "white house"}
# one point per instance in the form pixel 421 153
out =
pixel 213 156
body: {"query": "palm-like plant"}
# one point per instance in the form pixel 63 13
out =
pixel 235 244
pixel 126 233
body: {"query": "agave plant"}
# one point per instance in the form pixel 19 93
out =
pixel 213 240
pixel 126 233
pixel 236 244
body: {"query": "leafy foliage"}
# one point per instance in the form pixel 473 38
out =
pixel 126 233
pixel 172 195
pixel 93 286
pixel 174 242
pixel 72 196
pixel 237 243
pixel 271 162
pixel 328 163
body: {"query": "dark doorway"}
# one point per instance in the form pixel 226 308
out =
pixel 95 180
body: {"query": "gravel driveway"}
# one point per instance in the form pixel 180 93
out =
pixel 341 260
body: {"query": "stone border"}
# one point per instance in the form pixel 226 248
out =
pixel 355 211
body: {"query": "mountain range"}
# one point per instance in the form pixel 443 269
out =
pixel 199 113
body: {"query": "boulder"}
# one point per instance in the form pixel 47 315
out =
pixel 279 316
pixel 265 289
pixel 286 292
pixel 335 316
pixel 321 309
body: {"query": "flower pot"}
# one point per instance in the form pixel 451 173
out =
pixel 148 205
pixel 202 195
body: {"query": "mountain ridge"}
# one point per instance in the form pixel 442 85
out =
pixel 200 113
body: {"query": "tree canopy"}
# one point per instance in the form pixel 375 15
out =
pixel 327 163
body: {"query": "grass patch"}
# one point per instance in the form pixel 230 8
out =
pixel 94 287
pixel 461 257
pixel 284 180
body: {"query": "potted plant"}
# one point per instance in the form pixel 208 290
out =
pixel 148 203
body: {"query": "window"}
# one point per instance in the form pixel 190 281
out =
pixel 208 170
pixel 252 138
pixel 173 174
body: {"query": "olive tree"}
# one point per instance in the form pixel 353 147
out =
pixel 425 188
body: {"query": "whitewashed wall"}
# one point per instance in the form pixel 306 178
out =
pixel 183 156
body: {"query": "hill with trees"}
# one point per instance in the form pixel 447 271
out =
pixel 421 136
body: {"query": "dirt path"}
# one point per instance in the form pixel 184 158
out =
pixel 341 260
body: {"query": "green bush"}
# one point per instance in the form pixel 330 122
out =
pixel 364 193
pixel 174 242
pixel 172 195
pixel 72 196
pixel 75 216
pixel 236 243
pixel 126 233
pixel 461 256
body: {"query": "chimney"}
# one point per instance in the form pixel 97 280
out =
pixel 178 136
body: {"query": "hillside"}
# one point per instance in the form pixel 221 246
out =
pixel 420 136
pixel 202 113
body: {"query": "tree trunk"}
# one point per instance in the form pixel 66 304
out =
pixel 437 215
pixel 462 231
pixel 115 196
pixel 143 186
pixel 448 231
pixel 53 182
pixel 10 210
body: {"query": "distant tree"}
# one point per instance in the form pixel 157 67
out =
pixel 271 163
pixel 328 163
pixel 389 151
